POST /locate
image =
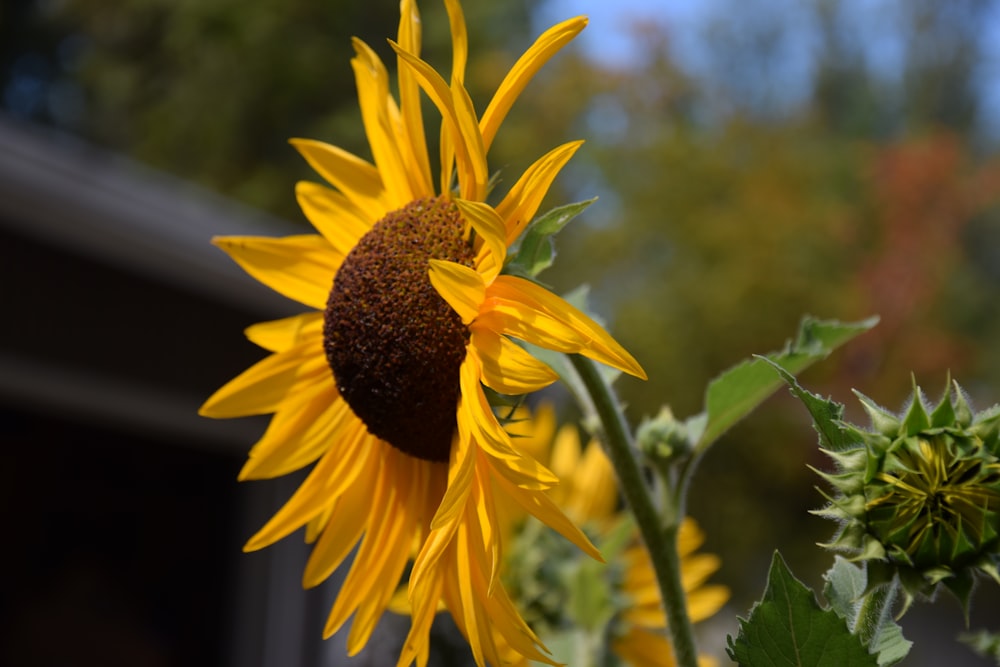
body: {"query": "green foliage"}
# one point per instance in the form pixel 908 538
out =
pixel 917 498
pixel 535 250
pixel 986 644
pixel 738 391
pixel 788 628
pixel 867 612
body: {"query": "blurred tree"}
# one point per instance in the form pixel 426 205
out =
pixel 212 90
pixel 821 159
pixel 717 230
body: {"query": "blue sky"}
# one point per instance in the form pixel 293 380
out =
pixel 608 37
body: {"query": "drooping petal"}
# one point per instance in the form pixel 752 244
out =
pixel 508 368
pixel 423 608
pixel 521 203
pixel 380 560
pixel 542 508
pixel 299 267
pixel 333 215
pixel 280 335
pixel 357 179
pixel 298 434
pixel 380 583
pixel 490 229
pixel 461 468
pixel 475 415
pixel 343 527
pixel 522 309
pixel 460 286
pixel 524 69
pixel 338 468
pixel 263 388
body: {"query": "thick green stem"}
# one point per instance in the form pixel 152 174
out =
pixel 659 533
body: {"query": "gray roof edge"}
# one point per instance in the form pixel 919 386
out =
pixel 58 189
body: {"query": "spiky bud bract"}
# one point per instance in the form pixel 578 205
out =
pixel 917 495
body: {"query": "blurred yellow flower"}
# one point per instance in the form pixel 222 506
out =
pixel 381 386
pixel 588 493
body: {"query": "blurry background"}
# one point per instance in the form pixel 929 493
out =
pixel 755 161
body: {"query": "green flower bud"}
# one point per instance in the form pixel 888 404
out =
pixel 918 496
pixel 663 438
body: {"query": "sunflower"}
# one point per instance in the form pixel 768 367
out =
pixel 381 387
pixel 588 494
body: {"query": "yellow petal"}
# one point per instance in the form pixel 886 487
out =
pixel 265 386
pixel 377 109
pixel 460 474
pixel 521 203
pixel 643 647
pixel 333 215
pixel 415 146
pixel 542 508
pixel 383 579
pixel 532 313
pixel 706 601
pixel 298 434
pixel 476 625
pixel 416 647
pixel 283 334
pixel 548 43
pixel 490 228
pixel 697 568
pixel 507 368
pixel 456 111
pixel 477 176
pixel 690 537
pixel 565 452
pixel 343 528
pixel 337 469
pixel 475 418
pixel 459 40
pixel 460 286
pixel 299 267
pixel 380 560
pixel 358 179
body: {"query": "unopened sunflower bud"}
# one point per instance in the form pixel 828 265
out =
pixel 663 437
pixel 918 496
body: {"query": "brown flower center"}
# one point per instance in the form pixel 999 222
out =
pixel 395 346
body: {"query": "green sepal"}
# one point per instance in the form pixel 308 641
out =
pixel 788 628
pixel 534 251
pixel 944 414
pixel 961 584
pixel 882 420
pixel 916 419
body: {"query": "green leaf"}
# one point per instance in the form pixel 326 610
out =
pixel 867 612
pixel 986 644
pixel 738 391
pixel 826 414
pixel 535 250
pixel 590 605
pixel 788 628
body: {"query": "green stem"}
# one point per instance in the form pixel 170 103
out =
pixel 658 533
